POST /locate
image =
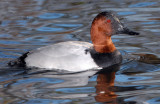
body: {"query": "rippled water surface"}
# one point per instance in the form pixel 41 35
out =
pixel 29 24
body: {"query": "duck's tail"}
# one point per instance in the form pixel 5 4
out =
pixel 19 62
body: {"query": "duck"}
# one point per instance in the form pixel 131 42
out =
pixel 77 56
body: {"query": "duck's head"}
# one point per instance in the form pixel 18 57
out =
pixel 104 25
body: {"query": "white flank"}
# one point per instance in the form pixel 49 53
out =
pixel 68 56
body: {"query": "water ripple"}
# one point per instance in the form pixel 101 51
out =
pixel 51 15
pixel 143 4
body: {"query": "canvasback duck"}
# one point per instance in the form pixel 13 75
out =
pixel 78 55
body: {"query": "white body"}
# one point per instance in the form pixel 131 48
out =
pixel 70 56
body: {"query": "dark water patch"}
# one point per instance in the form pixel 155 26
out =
pixel 136 67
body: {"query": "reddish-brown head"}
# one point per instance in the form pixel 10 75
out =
pixel 104 25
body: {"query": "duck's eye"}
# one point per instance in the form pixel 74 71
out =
pixel 108 21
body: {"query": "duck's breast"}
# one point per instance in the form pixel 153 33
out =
pixel 71 56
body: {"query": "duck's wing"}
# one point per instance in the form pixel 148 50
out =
pixel 71 56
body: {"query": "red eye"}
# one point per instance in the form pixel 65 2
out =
pixel 108 20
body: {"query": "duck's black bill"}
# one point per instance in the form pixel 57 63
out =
pixel 129 32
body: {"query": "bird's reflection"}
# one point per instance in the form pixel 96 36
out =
pixel 105 83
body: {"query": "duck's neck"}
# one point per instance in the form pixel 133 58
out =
pixel 101 36
pixel 103 44
pixel 106 46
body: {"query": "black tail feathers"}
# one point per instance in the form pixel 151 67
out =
pixel 20 62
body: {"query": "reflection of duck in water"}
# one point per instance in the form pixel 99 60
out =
pixel 51 85
pixel 78 55
pixel 105 81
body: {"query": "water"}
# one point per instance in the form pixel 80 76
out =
pixel 26 25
